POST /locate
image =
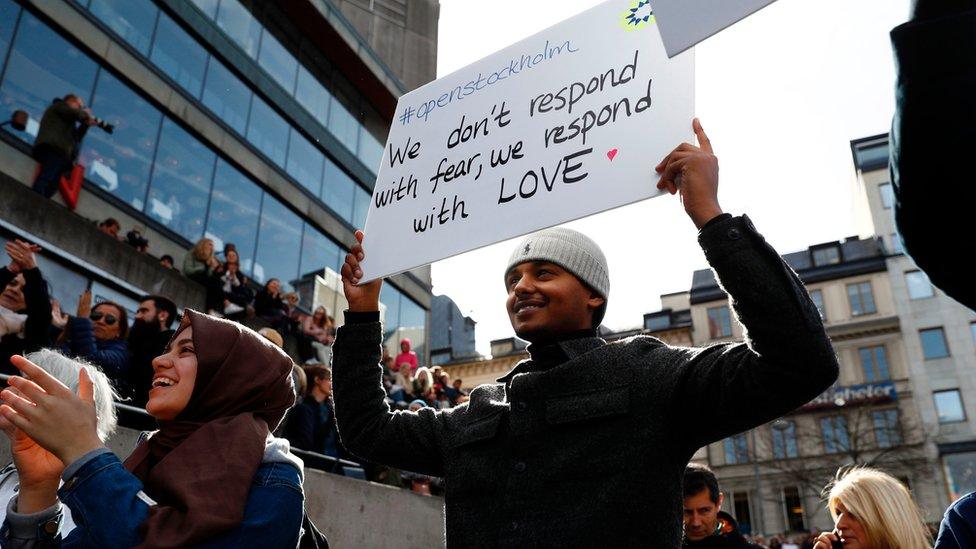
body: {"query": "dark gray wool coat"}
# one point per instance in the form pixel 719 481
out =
pixel 588 449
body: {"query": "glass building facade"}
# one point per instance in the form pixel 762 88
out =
pixel 163 172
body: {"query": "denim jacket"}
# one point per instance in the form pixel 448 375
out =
pixel 108 504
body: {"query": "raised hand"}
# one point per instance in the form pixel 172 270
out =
pixel 21 255
pixel 60 421
pixel 693 172
pixel 84 304
pixel 364 297
pixel 39 471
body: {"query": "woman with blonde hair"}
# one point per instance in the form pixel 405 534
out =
pixel 873 510
pixel 199 265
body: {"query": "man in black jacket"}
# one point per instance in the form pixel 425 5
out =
pixel 935 128
pixel 150 332
pixel 585 443
pixel 24 305
pixel 58 134
pixel 706 525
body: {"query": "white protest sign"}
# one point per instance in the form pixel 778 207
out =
pixel 564 124
pixel 684 23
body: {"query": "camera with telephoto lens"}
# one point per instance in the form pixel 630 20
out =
pixel 105 126
pixel 135 239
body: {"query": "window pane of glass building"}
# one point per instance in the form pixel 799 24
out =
pixel 305 162
pixel 181 179
pixel 887 195
pixel 267 131
pixel 874 363
pixel 240 26
pixel 784 440
pixel 41 66
pixel 948 406
pixel 826 256
pixel 861 298
pixel 279 244
pixel 835 434
pixel 132 20
pixel 208 7
pixel 918 284
pixel 9 11
pixel 226 96
pixel 390 298
pixel 818 300
pixel 338 190
pixel 934 343
pixel 312 95
pixel 121 162
pixel 235 207
pixel 719 322
pixel 342 120
pixel 178 55
pixel 318 252
pixel 277 61
pixel 370 150
pixel 361 207
pixel 960 472
pixel 886 428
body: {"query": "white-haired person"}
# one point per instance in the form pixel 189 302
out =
pixel 873 510
pixel 66 371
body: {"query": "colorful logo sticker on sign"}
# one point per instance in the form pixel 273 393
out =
pixel 640 14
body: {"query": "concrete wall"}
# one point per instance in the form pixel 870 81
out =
pixel 350 512
pixel 402 32
pixel 44 220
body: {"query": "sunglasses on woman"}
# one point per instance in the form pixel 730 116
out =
pixel 97 315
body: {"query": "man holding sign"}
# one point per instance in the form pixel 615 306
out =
pixel 586 442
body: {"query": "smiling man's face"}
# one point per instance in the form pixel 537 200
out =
pixel 545 301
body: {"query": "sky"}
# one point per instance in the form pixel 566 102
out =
pixel 780 94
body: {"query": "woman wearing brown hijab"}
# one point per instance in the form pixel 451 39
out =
pixel 212 475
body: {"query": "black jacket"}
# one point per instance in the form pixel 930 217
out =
pixel 933 138
pixel 591 451
pixel 305 429
pixel 37 328
pixel 728 537
pixel 146 342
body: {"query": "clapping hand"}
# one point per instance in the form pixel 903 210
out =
pixel 21 255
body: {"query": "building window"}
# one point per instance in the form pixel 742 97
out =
pixel 887 195
pixel 240 26
pixel 305 162
pixel 338 190
pixel 934 343
pixel 719 322
pixel 835 435
pixel 972 330
pixel 277 253
pixel 948 406
pixel 178 55
pixel 743 513
pixel 132 20
pixel 181 182
pixel 861 298
pixel 234 215
pixel 896 246
pixel 874 363
pixel 918 284
pixel 657 323
pixel 267 131
pixel 226 96
pixel 793 505
pixel 784 439
pixel 818 300
pixel 736 449
pixel 886 430
pixel 960 472
pixel 826 256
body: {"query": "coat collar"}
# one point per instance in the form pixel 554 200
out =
pixel 554 353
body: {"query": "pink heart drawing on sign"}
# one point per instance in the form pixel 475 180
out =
pixel 611 153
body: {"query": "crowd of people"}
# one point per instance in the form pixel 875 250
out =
pixel 560 452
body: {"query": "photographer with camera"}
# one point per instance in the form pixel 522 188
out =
pixel 62 128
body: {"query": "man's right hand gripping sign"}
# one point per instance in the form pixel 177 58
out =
pixel 586 442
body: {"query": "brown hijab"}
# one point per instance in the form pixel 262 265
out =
pixel 199 467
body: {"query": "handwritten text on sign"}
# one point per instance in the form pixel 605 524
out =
pixel 561 125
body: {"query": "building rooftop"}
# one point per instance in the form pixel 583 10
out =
pixel 827 261
pixel 870 153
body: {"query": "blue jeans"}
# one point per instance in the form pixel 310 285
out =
pixel 53 166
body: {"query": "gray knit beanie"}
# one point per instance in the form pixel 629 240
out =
pixel 571 250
